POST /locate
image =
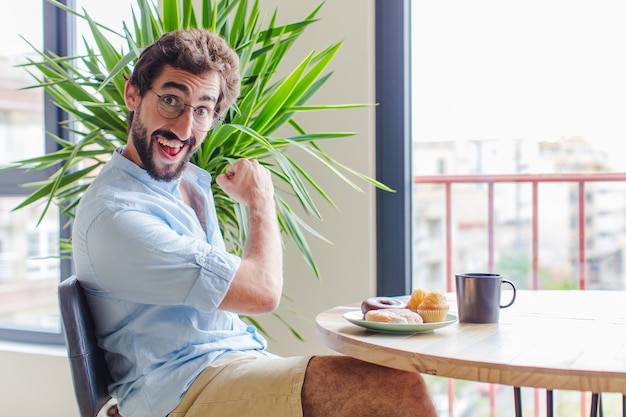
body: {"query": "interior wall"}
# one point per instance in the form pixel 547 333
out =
pixel 36 382
pixel 347 265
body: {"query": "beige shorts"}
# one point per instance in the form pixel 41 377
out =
pixel 239 386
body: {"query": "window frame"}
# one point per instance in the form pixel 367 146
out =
pixel 58 37
pixel 393 147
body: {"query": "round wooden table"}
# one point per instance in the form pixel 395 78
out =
pixel 571 340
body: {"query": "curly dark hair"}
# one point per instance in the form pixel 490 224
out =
pixel 197 51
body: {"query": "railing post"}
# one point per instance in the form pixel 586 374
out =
pixel 582 264
pixel 535 236
pixel 449 237
pixel 490 223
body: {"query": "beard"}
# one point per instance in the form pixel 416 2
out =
pixel 145 147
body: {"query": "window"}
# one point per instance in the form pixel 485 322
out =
pixel 30 261
pixel 28 276
pixel 469 84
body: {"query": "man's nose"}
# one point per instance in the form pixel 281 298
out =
pixel 182 125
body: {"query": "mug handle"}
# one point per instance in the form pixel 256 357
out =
pixel 504 281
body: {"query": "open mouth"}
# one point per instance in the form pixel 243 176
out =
pixel 171 147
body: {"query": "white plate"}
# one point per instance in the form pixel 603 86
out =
pixel 356 317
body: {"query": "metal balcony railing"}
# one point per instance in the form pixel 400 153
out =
pixel 534 180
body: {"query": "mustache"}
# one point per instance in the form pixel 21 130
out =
pixel 169 135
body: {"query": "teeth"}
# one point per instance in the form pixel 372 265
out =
pixel 171 144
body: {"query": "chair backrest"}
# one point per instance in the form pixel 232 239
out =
pixel 89 370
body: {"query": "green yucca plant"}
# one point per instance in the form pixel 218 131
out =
pixel 262 125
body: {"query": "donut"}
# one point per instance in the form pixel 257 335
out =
pixel 379 303
pixel 393 315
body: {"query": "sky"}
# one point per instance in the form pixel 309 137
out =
pixel 534 69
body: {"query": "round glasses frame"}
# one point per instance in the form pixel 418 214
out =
pixel 170 106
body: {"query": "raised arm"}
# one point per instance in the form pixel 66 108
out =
pixel 257 285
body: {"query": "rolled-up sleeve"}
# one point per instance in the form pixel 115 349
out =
pixel 140 257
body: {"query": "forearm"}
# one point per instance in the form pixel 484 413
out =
pixel 257 285
pixel 263 248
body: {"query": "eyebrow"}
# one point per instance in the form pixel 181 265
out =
pixel 185 90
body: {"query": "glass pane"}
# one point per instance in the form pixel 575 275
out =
pixel 29 262
pixel 21 111
pixel 29 252
pixel 534 88
pixel 517 89
pixel 29 267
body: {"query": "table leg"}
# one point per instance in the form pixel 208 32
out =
pixel 594 405
pixel 600 405
pixel 549 403
pixel 517 394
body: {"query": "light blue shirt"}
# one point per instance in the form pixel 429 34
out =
pixel 154 279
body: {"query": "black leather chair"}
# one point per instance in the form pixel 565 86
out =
pixel 89 370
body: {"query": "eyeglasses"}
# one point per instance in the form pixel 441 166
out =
pixel 171 106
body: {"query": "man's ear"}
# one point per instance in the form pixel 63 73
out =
pixel 131 96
